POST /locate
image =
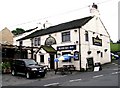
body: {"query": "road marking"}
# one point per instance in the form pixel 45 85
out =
pixel 97 76
pixel 115 73
pixel 114 64
pixel 75 80
pixel 115 69
pixel 52 84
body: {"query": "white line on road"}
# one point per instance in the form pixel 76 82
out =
pixel 75 80
pixel 115 69
pixel 97 76
pixel 52 84
pixel 115 73
pixel 114 64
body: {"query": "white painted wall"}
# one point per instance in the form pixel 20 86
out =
pixel 94 25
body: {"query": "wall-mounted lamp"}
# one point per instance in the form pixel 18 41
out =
pixel 89 52
pixel 75 30
pixel 105 50
pixel 98 52
pixel 101 35
pixel 76 41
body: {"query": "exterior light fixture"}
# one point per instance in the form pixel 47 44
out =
pixel 105 50
pixel 75 30
pixel 89 52
pixel 98 52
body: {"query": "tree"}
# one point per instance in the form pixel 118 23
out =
pixel 18 31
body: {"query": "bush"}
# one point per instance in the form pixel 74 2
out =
pixel 5 67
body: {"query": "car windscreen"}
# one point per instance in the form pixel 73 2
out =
pixel 30 62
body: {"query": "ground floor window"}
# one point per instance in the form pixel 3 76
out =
pixel 42 58
pixel 63 53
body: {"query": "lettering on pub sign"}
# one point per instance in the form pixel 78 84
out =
pixel 97 41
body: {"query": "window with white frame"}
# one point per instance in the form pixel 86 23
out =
pixel 66 36
pixel 42 58
pixel 86 36
pixel 37 41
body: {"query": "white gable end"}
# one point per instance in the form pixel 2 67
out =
pixel 95 25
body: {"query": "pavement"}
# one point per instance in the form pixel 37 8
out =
pixel 9 80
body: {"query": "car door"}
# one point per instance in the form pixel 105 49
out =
pixel 22 66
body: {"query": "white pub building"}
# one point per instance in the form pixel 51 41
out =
pixel 86 38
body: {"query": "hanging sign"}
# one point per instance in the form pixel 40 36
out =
pixel 97 41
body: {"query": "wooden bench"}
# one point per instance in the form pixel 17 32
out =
pixel 70 67
pixel 63 70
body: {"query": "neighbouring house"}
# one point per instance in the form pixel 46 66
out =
pixel 86 38
pixel 6 37
pixel 10 51
pixel 6 41
pixel 26 44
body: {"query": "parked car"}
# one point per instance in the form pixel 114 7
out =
pixel 115 56
pixel 29 67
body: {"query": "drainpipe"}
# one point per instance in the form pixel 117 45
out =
pixel 79 48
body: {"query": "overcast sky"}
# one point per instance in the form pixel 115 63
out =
pixel 27 14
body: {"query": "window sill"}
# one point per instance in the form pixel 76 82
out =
pixel 66 42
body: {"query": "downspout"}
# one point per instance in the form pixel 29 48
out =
pixel 79 48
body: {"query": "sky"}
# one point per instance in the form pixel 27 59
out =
pixel 28 14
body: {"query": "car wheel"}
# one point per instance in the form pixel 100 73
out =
pixel 13 72
pixel 28 75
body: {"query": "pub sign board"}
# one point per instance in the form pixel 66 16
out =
pixel 97 41
pixel 69 47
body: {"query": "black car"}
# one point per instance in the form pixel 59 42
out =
pixel 29 67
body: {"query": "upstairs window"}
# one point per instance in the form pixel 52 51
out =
pixel 86 36
pixel 66 36
pixel 37 41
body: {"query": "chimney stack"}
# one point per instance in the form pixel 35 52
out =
pixel 94 10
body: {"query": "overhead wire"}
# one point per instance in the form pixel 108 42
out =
pixel 67 12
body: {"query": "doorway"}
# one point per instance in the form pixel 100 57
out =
pixel 51 61
pixel 90 64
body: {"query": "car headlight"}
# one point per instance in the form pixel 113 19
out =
pixel 34 69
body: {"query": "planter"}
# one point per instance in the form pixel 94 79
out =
pixel 6 71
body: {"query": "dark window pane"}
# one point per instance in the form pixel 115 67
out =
pixel 66 36
pixel 38 41
pixel 86 36
pixel 41 58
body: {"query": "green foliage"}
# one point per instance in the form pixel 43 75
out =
pixel 18 31
pixel 115 47
pixel 5 65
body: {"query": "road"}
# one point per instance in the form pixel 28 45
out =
pixel 107 77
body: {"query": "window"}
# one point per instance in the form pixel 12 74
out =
pixel 42 58
pixel 66 36
pixel 20 43
pixel 63 53
pixel 37 41
pixel 86 36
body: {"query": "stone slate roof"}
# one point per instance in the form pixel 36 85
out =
pixel 60 27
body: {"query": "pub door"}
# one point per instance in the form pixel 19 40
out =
pixel 90 64
pixel 52 61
